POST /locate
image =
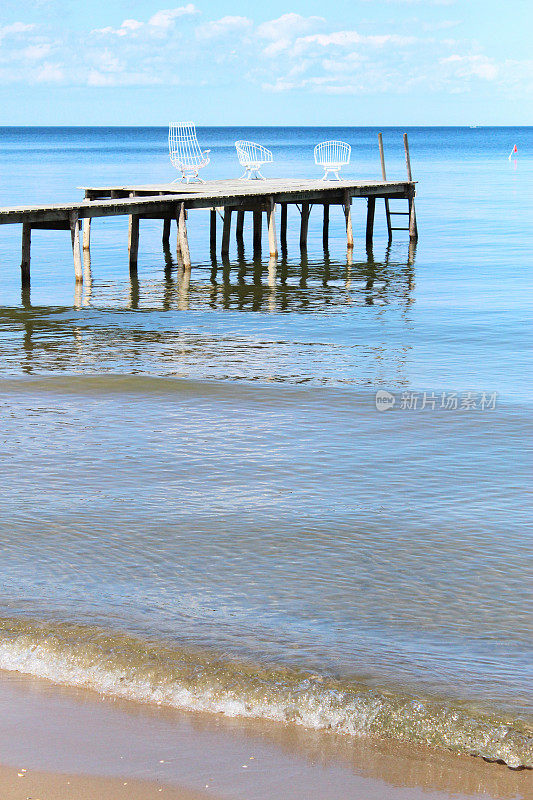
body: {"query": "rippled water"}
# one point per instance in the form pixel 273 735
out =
pixel 196 480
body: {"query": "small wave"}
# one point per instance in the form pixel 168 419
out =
pixel 124 666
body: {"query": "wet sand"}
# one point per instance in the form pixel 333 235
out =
pixel 17 785
pixel 59 735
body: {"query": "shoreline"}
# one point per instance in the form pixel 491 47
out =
pixel 53 732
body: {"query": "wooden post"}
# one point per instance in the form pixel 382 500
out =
pixel 87 247
pixel 413 229
pixel 87 233
pixel 306 210
pixel 325 228
pixel 226 231
pixel 213 230
pixel 166 233
pixel 183 239
pixel 370 221
pixel 26 248
pixel 133 241
pixel 283 226
pixel 75 237
pixel 258 221
pixel 384 176
pixel 240 225
pixel 348 215
pixel 271 217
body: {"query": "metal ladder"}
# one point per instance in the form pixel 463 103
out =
pixel 412 227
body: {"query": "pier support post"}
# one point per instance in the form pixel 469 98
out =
pixel 240 226
pixel 226 231
pixel 348 215
pixel 306 210
pixel 370 221
pixel 76 252
pixel 325 228
pixel 182 237
pixel 258 221
pixel 413 229
pixel 26 248
pixel 384 176
pixel 213 230
pixel 271 217
pixel 283 226
pixel 87 233
pixel 133 241
pixel 166 233
pixel 87 247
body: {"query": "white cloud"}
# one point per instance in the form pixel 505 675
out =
pixel 50 73
pixel 472 66
pixel 159 24
pixel 15 27
pixel 226 26
pixel 282 31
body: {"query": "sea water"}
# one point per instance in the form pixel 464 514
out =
pixel 292 490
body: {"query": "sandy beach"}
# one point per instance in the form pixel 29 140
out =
pixel 62 743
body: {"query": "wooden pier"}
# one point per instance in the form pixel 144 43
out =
pixel 174 202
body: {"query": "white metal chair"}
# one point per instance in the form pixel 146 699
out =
pixel 332 156
pixel 185 152
pixel 252 156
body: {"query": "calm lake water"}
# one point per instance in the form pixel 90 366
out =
pixel 201 503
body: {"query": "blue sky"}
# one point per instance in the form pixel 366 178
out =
pixel 355 62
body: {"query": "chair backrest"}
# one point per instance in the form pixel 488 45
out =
pixel 327 153
pixel 183 145
pixel 252 153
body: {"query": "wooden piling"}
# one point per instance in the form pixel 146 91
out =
pixel 258 222
pixel 304 224
pixel 133 241
pixel 370 221
pixel 325 227
pixel 348 215
pixel 413 228
pixel 166 233
pixel 283 226
pixel 240 226
pixel 213 230
pixel 87 233
pixel 384 176
pixel 26 248
pixel 226 231
pixel 76 252
pixel 183 239
pixel 271 217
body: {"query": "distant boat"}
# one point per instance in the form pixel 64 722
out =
pixel 473 126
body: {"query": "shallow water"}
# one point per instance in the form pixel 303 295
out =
pixel 195 472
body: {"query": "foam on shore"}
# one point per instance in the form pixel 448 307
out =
pixel 120 665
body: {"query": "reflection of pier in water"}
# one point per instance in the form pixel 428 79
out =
pixel 253 284
pixel 313 285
